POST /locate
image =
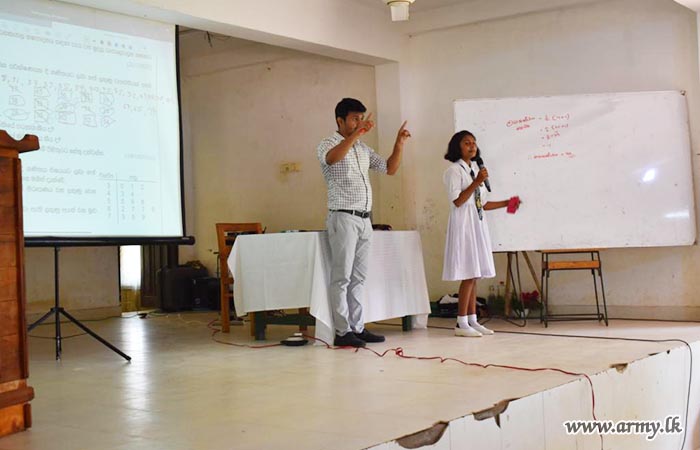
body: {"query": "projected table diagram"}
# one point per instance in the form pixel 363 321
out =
pixel 46 104
pixel 89 198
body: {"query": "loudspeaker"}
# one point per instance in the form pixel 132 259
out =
pixel 206 293
pixel 176 287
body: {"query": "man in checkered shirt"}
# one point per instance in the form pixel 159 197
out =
pixel 345 163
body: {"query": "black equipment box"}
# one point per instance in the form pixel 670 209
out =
pixel 176 287
pixel 206 293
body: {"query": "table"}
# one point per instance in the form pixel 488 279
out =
pixel 291 270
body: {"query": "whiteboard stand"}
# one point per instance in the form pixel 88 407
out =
pixel 594 265
pixel 510 276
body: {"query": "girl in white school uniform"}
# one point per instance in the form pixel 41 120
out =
pixel 468 253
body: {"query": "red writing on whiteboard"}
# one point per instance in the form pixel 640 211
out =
pixel 515 122
pixel 546 155
pixel 560 126
pixel 557 117
pixel 551 136
pixel 550 155
pixel 522 127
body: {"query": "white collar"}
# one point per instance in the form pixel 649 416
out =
pixel 340 137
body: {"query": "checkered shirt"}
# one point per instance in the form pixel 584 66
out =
pixel 348 179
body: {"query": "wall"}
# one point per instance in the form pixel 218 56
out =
pixel 615 46
pixel 251 107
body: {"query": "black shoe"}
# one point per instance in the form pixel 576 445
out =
pixel 348 340
pixel 369 337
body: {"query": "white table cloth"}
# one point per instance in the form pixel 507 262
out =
pixel 291 270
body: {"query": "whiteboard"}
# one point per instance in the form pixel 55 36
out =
pixel 593 171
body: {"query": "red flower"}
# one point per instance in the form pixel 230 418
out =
pixel 530 300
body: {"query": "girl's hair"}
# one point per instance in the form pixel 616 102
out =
pixel 454 151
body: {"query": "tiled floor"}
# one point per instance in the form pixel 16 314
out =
pixel 182 391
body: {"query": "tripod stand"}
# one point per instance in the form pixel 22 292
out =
pixel 57 310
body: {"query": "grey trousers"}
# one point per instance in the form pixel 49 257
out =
pixel 349 237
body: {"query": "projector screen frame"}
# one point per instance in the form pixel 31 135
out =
pixel 107 241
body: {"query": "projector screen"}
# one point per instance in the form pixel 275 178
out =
pixel 100 90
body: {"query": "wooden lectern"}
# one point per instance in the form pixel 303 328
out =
pixel 15 411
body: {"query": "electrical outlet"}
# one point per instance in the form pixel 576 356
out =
pixel 290 167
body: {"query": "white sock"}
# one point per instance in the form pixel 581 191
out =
pixel 477 326
pixel 463 321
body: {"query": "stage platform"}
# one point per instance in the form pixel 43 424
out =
pixel 183 391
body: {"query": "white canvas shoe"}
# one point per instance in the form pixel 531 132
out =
pixel 466 332
pixel 481 329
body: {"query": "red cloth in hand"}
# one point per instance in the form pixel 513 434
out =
pixel 513 204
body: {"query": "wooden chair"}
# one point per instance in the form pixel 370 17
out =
pixel 226 234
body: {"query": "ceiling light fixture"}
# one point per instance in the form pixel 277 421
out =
pixel 399 9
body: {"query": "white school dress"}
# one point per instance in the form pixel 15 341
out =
pixel 468 252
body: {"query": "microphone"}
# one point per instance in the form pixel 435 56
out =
pixel 480 162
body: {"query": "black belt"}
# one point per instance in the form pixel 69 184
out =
pixel 363 214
